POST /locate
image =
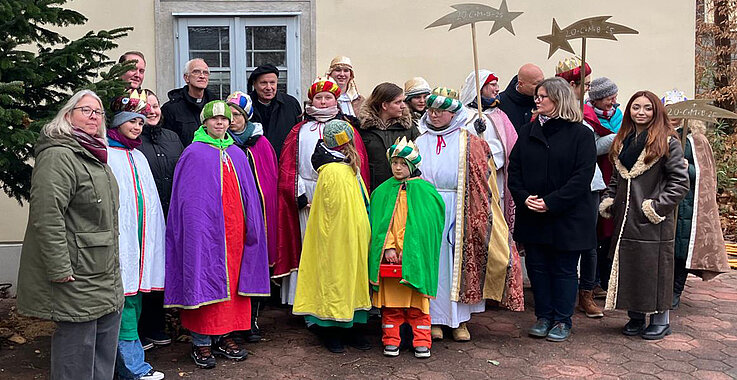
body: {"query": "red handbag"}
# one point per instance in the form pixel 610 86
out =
pixel 390 270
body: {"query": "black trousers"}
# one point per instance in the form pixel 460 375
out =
pixel 554 278
pixel 152 314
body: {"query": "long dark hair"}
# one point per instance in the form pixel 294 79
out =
pixel 658 131
pixel 383 93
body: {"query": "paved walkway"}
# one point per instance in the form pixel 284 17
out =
pixel 703 346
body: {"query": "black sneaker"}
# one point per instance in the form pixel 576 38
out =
pixel 358 340
pixel 152 375
pixel 228 348
pixel 147 344
pixel 422 352
pixel 159 338
pixel 391 351
pixel 202 356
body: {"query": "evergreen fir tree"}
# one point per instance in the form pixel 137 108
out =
pixel 39 70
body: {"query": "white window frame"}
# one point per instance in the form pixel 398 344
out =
pixel 237 43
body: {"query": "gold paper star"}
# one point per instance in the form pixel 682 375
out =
pixel 557 40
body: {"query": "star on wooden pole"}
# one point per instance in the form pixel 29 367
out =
pixel 471 14
pixel 592 27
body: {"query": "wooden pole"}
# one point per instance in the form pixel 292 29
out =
pixel 476 70
pixel 583 71
pixel 684 136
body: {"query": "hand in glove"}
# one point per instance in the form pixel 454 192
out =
pixel 479 125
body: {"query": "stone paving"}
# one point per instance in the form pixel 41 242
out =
pixel 703 346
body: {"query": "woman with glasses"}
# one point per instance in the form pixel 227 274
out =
pixel 69 270
pixel 570 70
pixel 550 172
pixel 457 163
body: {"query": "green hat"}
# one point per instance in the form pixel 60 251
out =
pixel 216 108
pixel 445 99
pixel 407 150
pixel 337 133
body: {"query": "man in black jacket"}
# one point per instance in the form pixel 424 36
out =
pixel 517 100
pixel 276 111
pixel 182 112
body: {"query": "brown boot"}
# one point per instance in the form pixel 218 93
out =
pixel 587 305
pixel 599 292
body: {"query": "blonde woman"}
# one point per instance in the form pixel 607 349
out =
pixel 550 172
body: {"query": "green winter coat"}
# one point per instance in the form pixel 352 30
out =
pixel 685 208
pixel 422 237
pixel 72 230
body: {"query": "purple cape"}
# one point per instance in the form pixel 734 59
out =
pixel 196 268
pixel 264 159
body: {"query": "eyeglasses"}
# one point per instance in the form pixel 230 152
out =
pixel 539 98
pixel 198 72
pixel 435 111
pixel 87 111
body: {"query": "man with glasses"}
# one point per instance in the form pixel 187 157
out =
pixel 516 100
pixel 181 113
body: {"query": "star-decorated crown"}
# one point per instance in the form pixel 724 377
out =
pixel 673 96
pixel 568 64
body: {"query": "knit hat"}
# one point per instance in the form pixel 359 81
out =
pixel 242 102
pixel 445 99
pixel 407 150
pixel 673 96
pixel 570 69
pixel 129 107
pixel 323 85
pixel 216 108
pixel 261 70
pixel 602 88
pixel 336 133
pixel 416 86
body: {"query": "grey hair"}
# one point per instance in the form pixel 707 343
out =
pixel 60 125
pixel 188 65
pixel 561 94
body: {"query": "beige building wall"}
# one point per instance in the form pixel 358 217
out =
pixel 387 41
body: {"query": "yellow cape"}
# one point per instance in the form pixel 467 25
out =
pixel 333 269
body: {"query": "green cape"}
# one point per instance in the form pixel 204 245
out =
pixel 201 135
pixel 422 237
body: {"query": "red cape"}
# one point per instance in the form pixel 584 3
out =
pixel 289 236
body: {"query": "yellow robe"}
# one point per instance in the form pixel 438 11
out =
pixel 333 269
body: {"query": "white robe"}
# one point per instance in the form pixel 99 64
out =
pixel 142 269
pixel 309 134
pixel 441 169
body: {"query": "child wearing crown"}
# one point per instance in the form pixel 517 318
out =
pixel 407 218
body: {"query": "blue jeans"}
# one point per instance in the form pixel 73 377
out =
pixel 201 340
pixel 588 276
pixel 131 364
pixel 554 281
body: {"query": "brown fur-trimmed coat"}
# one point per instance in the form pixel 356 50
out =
pixel 378 136
pixel 642 202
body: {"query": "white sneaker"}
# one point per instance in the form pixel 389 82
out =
pixel 152 375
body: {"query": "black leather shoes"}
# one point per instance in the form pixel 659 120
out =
pixel 634 327
pixel 676 301
pixel 541 328
pixel 655 332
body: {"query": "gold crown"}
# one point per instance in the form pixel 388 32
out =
pixel 446 92
pixel 568 64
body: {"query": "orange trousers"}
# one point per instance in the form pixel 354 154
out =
pixel 393 317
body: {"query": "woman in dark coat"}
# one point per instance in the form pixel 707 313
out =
pixel 162 149
pixel 550 172
pixel 384 119
pixel 649 180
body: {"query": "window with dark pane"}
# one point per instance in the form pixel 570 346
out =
pixel 267 44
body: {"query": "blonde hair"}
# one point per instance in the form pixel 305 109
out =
pixel 60 125
pixel 560 93
pixel 351 156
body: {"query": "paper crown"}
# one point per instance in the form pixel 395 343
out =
pixel 445 99
pixel 405 149
pixel 322 85
pixel 673 96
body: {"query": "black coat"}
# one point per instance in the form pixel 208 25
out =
pixel 162 149
pixel 378 137
pixel 285 114
pixel 517 106
pixel 559 169
pixel 181 113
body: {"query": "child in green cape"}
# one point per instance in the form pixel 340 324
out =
pixel 407 219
